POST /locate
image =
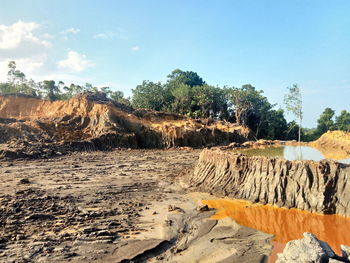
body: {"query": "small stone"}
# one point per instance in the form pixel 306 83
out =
pixel 203 208
pixel 40 217
pixel 168 222
pixel 345 250
pixel 24 181
pixel 20 237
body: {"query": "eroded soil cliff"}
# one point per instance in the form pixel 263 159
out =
pixel 321 187
pixel 101 123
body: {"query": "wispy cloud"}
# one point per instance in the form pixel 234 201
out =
pixel 106 35
pixel 71 30
pixel 118 33
pixel 75 62
pixel 135 48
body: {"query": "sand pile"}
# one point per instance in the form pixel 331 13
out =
pixel 334 144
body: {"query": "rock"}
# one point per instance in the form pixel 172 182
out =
pixel 24 181
pixel 172 208
pixel 306 250
pixel 345 250
pixel 88 230
pixel 20 237
pixel 40 217
pixel 332 260
pixel 203 208
pixel 168 222
pixel 103 233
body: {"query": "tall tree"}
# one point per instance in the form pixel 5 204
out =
pixel 14 75
pixel 51 89
pixel 248 104
pixel 294 105
pixel 325 122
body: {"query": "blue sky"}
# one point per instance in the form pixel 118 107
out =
pixel 269 44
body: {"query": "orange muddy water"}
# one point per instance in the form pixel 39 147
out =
pixel 284 224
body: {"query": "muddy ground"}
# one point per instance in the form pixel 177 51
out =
pixel 117 206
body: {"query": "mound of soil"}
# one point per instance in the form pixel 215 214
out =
pixel 334 144
pixel 95 121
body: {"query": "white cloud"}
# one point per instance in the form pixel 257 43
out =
pixel 48 36
pixel 135 48
pixel 18 39
pixel 75 62
pixel 118 33
pixel 71 30
pixel 107 35
pixel 19 42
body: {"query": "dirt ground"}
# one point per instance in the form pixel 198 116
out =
pixel 117 206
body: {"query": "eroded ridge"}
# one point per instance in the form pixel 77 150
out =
pixel 320 187
pixel 94 121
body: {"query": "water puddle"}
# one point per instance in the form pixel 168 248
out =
pixel 294 153
pixel 284 224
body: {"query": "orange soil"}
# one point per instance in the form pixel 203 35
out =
pixel 284 224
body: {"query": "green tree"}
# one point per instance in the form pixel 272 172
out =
pixel 325 122
pixel 342 122
pixel 51 89
pixel 208 100
pixel 190 78
pixel 246 101
pixel 150 95
pixel 182 98
pixel 294 104
pixel 273 125
pixel 17 82
pixel 14 75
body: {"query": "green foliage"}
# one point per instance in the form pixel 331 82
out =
pixel 342 122
pixel 150 95
pixel 325 122
pixel 310 135
pixel 244 102
pixel 182 98
pixel 208 101
pixel 251 108
pixel 51 89
pixel 273 126
pixel 48 89
pixel 190 78
pixel 17 82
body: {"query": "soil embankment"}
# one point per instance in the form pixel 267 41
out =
pixel 321 187
pixel 91 121
pixel 334 144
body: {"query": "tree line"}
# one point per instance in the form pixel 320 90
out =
pixel 186 93
pixel 17 82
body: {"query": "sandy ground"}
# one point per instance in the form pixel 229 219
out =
pixel 119 206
